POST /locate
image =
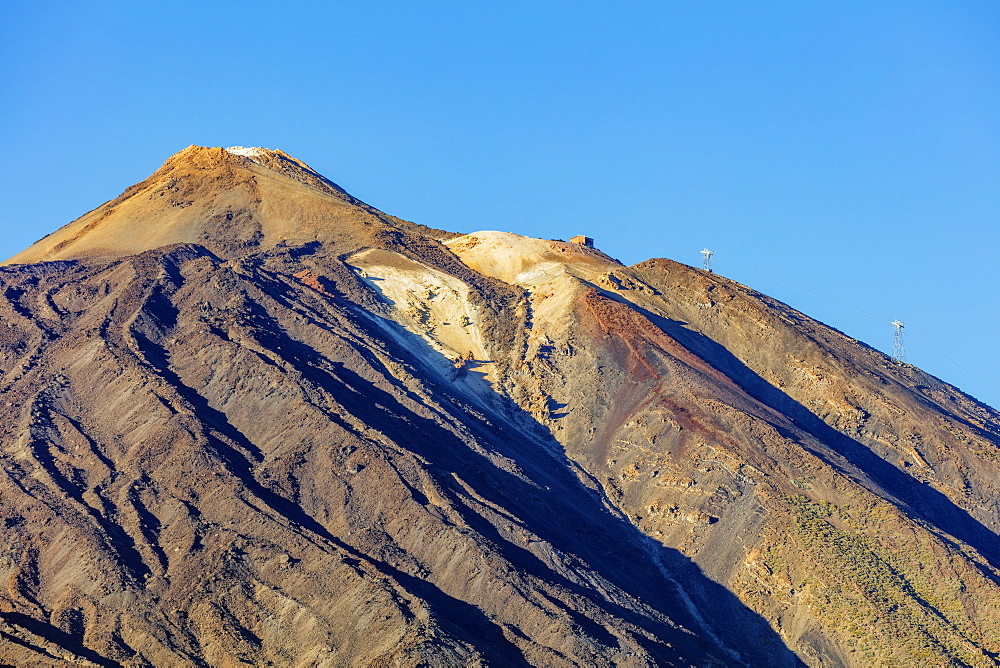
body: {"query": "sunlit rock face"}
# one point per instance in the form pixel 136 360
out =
pixel 247 418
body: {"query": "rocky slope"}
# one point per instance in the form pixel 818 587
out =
pixel 247 418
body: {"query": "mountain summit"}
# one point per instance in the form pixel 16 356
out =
pixel 249 419
pixel 237 200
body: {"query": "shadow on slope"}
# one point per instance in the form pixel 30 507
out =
pixel 920 499
pixel 547 496
pixel 66 641
pixel 461 619
pixel 586 547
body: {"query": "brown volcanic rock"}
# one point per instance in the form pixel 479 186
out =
pixel 925 428
pixel 247 418
pixel 659 376
pixel 231 202
pixel 216 464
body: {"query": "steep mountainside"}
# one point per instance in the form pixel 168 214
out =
pixel 249 419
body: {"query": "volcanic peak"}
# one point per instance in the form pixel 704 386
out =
pixel 233 200
pixel 292 429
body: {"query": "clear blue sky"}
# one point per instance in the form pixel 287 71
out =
pixel 851 149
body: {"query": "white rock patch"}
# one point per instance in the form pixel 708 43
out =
pixel 248 151
pixel 429 303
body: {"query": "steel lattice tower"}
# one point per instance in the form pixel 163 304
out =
pixel 898 353
pixel 707 264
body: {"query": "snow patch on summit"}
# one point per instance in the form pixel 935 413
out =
pixel 248 151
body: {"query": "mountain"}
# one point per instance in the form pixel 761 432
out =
pixel 249 419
